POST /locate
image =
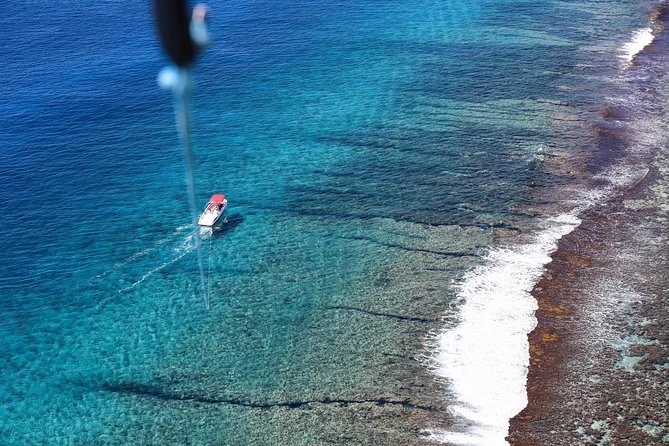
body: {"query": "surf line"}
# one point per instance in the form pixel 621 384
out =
pixel 640 40
pixel 484 357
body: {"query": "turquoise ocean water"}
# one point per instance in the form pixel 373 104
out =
pixel 372 153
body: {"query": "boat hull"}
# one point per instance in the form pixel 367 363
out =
pixel 210 218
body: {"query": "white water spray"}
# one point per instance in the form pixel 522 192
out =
pixel 485 357
pixel 640 40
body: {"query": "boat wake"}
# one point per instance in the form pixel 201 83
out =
pixel 152 260
pixel 185 246
pixel 144 252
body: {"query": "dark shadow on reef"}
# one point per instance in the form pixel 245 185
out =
pixel 151 391
pixel 229 224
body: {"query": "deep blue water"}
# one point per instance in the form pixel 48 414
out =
pixel 356 141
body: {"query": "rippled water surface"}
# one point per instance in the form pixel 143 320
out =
pixel 371 152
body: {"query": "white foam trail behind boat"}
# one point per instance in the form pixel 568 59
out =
pixel 485 357
pixel 641 39
pixel 184 247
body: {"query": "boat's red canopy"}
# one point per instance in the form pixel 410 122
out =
pixel 218 198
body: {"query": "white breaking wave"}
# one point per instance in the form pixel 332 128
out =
pixel 485 357
pixel 640 40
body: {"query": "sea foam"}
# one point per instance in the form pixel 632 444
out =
pixel 640 40
pixel 485 356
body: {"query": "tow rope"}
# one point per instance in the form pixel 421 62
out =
pixel 182 40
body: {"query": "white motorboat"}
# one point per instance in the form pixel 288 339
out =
pixel 214 210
